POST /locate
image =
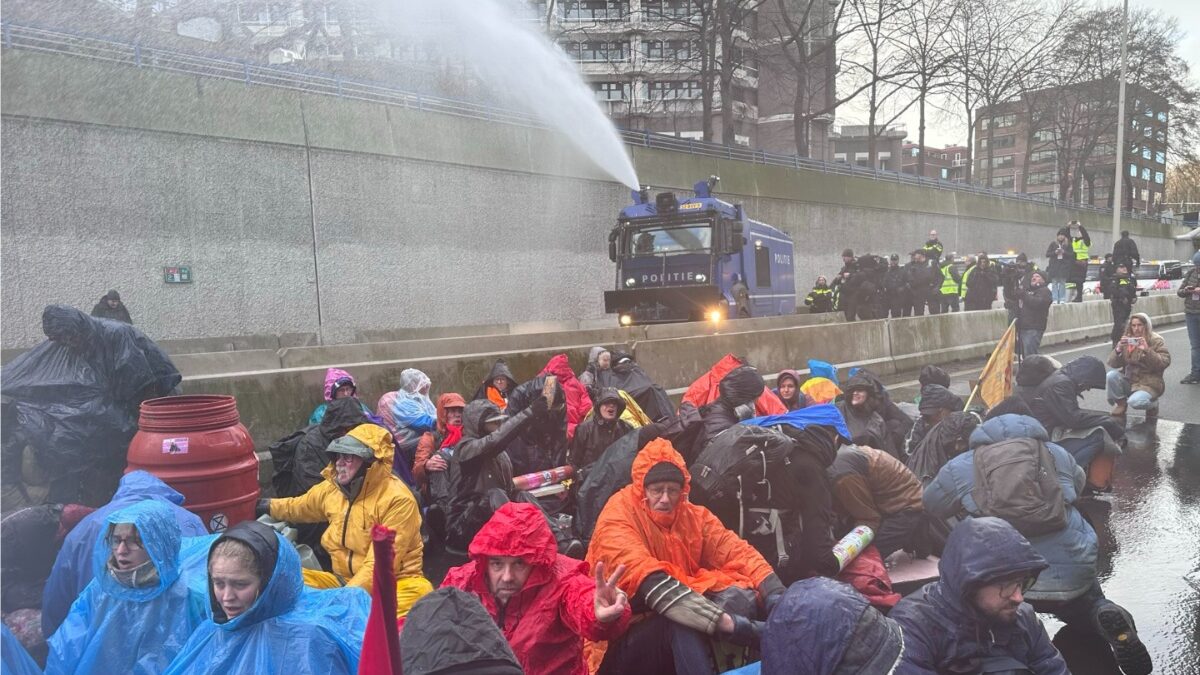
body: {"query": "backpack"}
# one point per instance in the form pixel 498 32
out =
pixel 1016 480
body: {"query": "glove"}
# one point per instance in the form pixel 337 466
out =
pixel 746 632
pixel 262 508
pixel 539 406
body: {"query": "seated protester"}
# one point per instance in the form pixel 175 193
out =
pixel 945 441
pixel 497 386
pixel 1086 435
pixel 627 376
pixel 542 444
pixel 895 420
pixel 599 359
pixel 872 488
pixel 14 658
pixel 787 388
pixel 1032 372
pixel 338 384
pixel 690 578
pixel 820 299
pixel 825 627
pixel 578 400
pixel 410 413
pixel 138 611
pixel 1057 531
pixel 935 405
pixel 360 491
pixel 543 602
pixel 1138 361
pixel 74 565
pixel 446 434
pixel 449 631
pixel 263 620
pixel 596 433
pixel 932 375
pixel 481 472
pixel 860 407
pixel 973 619
pixel 740 387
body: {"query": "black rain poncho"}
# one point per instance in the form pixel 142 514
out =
pixel 449 631
pixel 629 377
pixel 76 395
pixel 542 444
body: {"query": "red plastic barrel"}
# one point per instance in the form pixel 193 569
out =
pixel 197 445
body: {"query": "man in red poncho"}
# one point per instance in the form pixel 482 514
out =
pixel 545 603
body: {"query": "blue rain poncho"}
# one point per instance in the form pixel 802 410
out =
pixel 413 409
pixel 114 628
pixel 72 570
pixel 289 629
pixel 821 415
pixel 14 660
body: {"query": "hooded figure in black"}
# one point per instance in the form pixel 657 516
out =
pixel 810 548
pixel 1031 374
pixel 110 307
pixel 741 386
pixel 898 299
pixel 488 389
pixel 541 445
pixel 937 402
pixel 860 405
pixel 75 397
pixel 945 441
pixel 627 376
pixel 596 433
pixel 896 421
pixel 1082 433
pixel 449 631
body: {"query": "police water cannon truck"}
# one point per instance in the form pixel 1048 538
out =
pixel 697 259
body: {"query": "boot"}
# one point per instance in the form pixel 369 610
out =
pixel 1099 473
pixel 1116 626
pixel 1192 378
pixel 1120 408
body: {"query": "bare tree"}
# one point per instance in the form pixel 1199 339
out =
pixel 923 40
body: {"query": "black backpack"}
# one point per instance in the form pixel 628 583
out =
pixel 1016 480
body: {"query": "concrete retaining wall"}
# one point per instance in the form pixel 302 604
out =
pixel 274 402
pixel 351 221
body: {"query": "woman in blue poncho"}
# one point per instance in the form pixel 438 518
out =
pixel 409 413
pixel 263 620
pixel 137 613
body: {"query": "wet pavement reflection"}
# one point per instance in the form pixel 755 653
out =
pixel 1149 531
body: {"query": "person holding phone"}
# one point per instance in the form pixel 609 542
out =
pixel 1138 361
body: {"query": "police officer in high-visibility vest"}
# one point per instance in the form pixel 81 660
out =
pixel 1081 243
pixel 951 285
pixel 820 299
pixel 1124 295
pixel 933 249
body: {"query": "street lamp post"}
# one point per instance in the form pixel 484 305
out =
pixel 1118 170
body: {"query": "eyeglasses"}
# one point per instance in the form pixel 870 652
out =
pixel 1009 588
pixel 657 493
pixel 131 543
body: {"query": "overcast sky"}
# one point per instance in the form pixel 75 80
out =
pixel 943 129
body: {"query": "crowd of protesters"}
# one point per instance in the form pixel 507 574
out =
pixel 691 538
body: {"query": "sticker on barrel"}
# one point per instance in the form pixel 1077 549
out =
pixel 175 446
pixel 218 522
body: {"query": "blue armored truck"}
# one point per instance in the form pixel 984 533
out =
pixel 696 259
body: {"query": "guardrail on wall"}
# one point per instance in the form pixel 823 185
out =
pixel 33 38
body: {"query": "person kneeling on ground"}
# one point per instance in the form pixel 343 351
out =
pixel 1139 361
pixel 544 602
pixel 1043 507
pixel 825 627
pixel 1091 438
pixel 872 488
pixel 690 577
pixel 360 491
pixel 973 619
pixel 263 620
pixel 481 472
pixel 138 611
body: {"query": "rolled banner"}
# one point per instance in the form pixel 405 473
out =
pixel 537 479
pixel 852 544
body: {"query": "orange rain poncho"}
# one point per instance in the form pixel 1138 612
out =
pixel 690 544
pixel 705 390
pixel 820 390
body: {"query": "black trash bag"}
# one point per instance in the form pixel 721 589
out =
pixel 626 375
pixel 606 476
pixel 28 545
pixel 75 397
pixel 542 444
pixel 743 459
pixel 684 429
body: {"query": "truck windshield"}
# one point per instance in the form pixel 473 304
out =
pixel 682 238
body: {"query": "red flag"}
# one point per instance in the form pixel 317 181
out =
pixel 381 642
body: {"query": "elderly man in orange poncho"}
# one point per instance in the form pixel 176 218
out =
pixel 691 581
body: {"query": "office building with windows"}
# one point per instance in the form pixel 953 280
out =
pixel 948 163
pixel 852 145
pixel 1062 143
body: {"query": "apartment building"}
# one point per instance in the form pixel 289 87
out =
pixel 1062 143
pixel 948 163
pixel 851 144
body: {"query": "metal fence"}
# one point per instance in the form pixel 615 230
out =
pixel 34 38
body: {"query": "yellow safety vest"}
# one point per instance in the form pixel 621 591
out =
pixel 949 285
pixel 1081 249
pixel 966 275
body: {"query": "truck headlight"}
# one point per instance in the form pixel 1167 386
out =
pixel 701 278
pixel 626 320
pixel 630 282
pixel 715 316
